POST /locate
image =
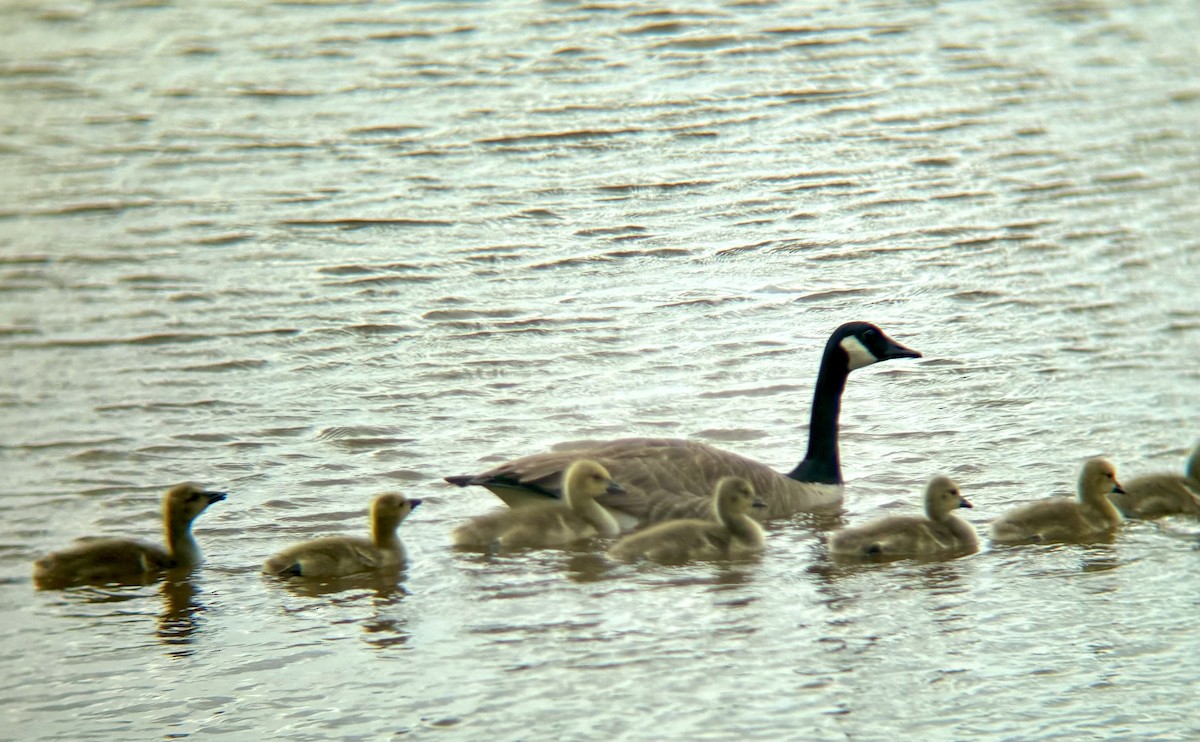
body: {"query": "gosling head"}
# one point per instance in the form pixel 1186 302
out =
pixel 1097 480
pixel 864 344
pixel 943 497
pixel 391 508
pixel 735 496
pixel 587 478
pixel 186 501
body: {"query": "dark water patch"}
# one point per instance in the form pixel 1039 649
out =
pixel 106 207
pixel 265 92
pixel 660 252
pixel 819 95
pixel 621 231
pixel 372 281
pixel 167 338
pixel 220 367
pixel 962 196
pixel 354 224
pixel 535 214
pixel 221 240
pixel 976 295
pixel 385 130
pixel 665 187
pixel 657 28
pixel 155 280
pixel 376 330
pixel 444 315
pixel 364 444
pixel 827 294
pixel 762 391
pixel 708 301
pixel 205 437
pixel 405 475
pixel 578 135
pixel 840 185
pixel 55 445
pixel 572 262
pixel 361 270
pixel 702 43
pixel 935 162
pixel 344 432
pixel 164 406
pixel 744 249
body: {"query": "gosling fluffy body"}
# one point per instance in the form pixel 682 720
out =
pixel 1158 495
pixel 1065 519
pixel 552 523
pixel 939 532
pixel 729 533
pixel 340 556
pixel 98 561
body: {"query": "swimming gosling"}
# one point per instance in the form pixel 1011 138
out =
pixel 729 533
pixel 340 556
pixel 1158 495
pixel 1064 519
pixel 939 532
pixel 553 523
pixel 99 561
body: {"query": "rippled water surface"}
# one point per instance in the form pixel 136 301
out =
pixel 309 251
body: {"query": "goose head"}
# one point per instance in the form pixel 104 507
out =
pixel 735 496
pixel 943 497
pixel 390 508
pixel 863 344
pixel 184 502
pixel 588 479
pixel 1097 480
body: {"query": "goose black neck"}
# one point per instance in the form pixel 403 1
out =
pixel 821 463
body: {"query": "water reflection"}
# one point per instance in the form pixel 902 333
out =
pixel 384 585
pixel 181 615
pixel 335 599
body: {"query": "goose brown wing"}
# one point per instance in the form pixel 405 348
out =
pixel 663 477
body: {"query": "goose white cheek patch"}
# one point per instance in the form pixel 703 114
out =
pixel 859 355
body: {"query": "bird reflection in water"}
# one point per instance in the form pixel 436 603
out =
pixel 181 616
pixel 384 590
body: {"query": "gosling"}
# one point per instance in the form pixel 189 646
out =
pixel 940 532
pixel 1064 519
pixel 340 556
pixel 730 533
pixel 100 561
pixel 550 524
pixel 1158 495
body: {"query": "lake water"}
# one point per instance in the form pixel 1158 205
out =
pixel 310 251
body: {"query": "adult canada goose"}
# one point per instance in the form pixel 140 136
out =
pixel 550 523
pixel 729 532
pixel 939 532
pixel 671 478
pixel 339 556
pixel 1156 495
pixel 1065 519
pixel 98 561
